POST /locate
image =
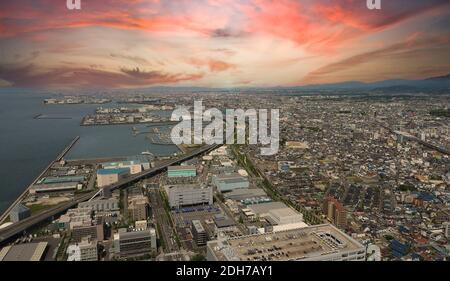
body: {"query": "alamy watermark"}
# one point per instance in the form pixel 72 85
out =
pixel 374 4
pixel 76 4
pixel 191 129
pixel 73 4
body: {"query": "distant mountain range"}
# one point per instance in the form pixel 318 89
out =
pixel 433 83
pixel 438 83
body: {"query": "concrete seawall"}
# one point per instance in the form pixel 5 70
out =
pixel 22 196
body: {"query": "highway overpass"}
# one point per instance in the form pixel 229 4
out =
pixel 6 234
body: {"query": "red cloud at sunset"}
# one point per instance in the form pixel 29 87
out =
pixel 304 39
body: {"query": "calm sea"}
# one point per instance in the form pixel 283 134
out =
pixel 28 145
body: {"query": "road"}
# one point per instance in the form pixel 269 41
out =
pixel 20 227
pixel 163 221
pixel 134 178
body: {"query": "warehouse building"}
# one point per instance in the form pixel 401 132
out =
pixel 225 183
pixel 181 171
pixel 49 180
pixel 276 213
pixel 314 243
pixel 245 194
pixel 188 194
pixel 107 177
pixel 135 166
pixel 19 212
pixel 62 187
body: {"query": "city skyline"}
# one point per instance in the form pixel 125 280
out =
pixel 219 43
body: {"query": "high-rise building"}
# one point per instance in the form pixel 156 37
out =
pixel 138 208
pixel 335 212
pixel 199 233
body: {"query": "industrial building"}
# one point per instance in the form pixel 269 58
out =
pixel 128 244
pixel 199 233
pixel 188 194
pixel 314 243
pixel 107 177
pixel 24 252
pixel 284 216
pixel 56 187
pixel 245 194
pixel 223 223
pixel 102 205
pixel 49 180
pixel 19 212
pixel 230 182
pixel 276 213
pixel 135 166
pixel 181 171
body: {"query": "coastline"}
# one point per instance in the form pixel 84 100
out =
pixel 5 214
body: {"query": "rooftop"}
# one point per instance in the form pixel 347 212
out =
pixel 264 208
pixel 198 226
pixel 23 252
pixel 223 221
pixel 179 168
pixel 311 242
pixel 112 171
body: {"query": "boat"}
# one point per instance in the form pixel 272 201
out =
pixel 146 153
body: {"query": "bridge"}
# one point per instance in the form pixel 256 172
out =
pixel 20 227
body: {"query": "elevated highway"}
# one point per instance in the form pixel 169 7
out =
pixel 7 233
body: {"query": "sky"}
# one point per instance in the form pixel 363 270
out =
pixel 220 43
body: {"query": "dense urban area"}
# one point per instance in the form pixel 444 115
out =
pixel 358 176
